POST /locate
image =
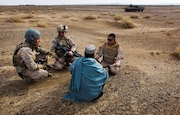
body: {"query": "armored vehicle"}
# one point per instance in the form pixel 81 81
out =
pixel 134 8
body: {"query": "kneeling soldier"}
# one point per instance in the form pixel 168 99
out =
pixel 26 57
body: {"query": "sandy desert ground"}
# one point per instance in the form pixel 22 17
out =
pixel 148 83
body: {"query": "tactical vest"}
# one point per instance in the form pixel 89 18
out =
pixel 17 60
pixel 63 42
pixel 110 53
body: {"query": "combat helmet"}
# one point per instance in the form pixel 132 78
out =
pixel 31 35
pixel 62 28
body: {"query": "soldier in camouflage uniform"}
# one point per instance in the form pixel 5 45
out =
pixel 111 53
pixel 62 40
pixel 25 57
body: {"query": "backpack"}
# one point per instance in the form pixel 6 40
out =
pixel 17 60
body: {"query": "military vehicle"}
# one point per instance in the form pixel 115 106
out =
pixel 134 8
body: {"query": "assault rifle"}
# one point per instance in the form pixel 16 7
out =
pixel 41 61
pixel 66 50
pixel 44 62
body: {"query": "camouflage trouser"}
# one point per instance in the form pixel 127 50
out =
pixel 36 74
pixel 60 65
pixel 111 69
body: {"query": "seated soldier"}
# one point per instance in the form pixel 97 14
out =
pixel 112 55
pixel 26 58
pixel 63 48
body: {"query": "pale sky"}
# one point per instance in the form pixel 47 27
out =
pixel 77 2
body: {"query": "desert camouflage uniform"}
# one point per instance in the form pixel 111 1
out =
pixel 25 64
pixel 111 54
pixel 63 41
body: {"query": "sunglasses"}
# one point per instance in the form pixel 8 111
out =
pixel 109 39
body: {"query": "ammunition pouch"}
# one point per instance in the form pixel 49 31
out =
pixel 17 61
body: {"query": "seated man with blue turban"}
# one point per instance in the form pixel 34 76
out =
pixel 88 78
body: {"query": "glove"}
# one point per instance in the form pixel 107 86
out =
pixel 41 66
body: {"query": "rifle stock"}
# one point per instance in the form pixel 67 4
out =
pixel 66 50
